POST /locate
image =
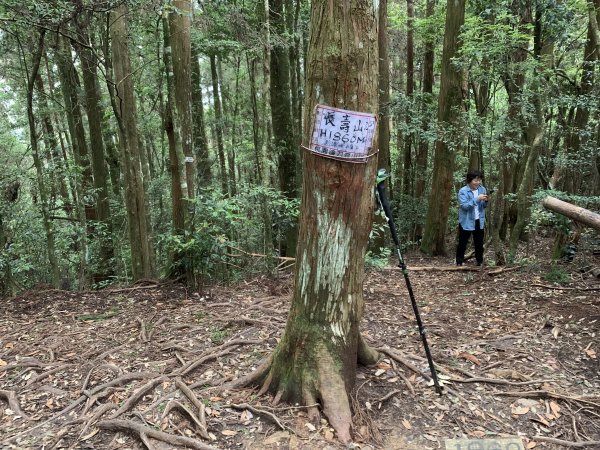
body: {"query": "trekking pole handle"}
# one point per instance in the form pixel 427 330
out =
pixel 383 201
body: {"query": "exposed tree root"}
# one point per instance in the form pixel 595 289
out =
pixel 137 396
pixel 121 380
pixel 571 444
pixel 366 354
pixel 174 404
pixel 13 403
pixel 46 374
pixel 116 370
pixel 262 412
pixel 141 430
pixel 97 414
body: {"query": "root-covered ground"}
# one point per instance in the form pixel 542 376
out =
pixel 148 366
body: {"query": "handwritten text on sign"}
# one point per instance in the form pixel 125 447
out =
pixel 342 134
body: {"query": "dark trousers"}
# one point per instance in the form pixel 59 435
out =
pixel 463 240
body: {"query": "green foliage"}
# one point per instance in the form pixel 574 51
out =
pixel 557 274
pixel 226 230
pixel 378 260
pixel 218 335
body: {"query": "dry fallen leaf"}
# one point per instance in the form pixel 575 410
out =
pixel 519 410
pixel 228 433
pixel 469 357
pixel 3 363
pixel 544 421
pixel 406 424
pixel 531 444
pixel 328 434
pixel 310 426
pixel 591 353
pixel 555 409
pixel 477 433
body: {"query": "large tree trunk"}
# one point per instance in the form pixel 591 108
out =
pixel 317 357
pixel 142 250
pixel 449 120
pixel 577 213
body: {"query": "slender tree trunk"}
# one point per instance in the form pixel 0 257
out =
pixel 57 186
pixel 408 173
pixel 47 223
pixel 180 29
pixel 423 149
pixel 142 256
pixel 94 114
pixel 175 162
pixel 231 153
pixel 281 114
pixel 260 162
pixel 317 356
pixel 379 238
pixel 383 126
pixel 69 81
pixel 534 132
pixel 200 141
pixel 219 124
pixel 449 120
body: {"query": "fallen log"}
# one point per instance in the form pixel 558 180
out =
pixel 577 213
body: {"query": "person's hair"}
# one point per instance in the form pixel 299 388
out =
pixel 472 174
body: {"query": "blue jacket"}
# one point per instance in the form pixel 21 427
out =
pixel 467 202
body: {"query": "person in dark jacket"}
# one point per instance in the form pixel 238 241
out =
pixel 472 201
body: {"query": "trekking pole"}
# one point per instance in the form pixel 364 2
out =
pixel 383 202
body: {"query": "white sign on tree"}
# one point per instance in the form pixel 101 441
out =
pixel 341 134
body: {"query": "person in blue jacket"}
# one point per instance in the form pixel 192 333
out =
pixel 472 201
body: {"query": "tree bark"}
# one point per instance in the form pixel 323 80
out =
pixel 180 30
pixel 317 356
pixel 69 80
pixel 48 228
pixel 449 120
pixel 175 163
pixel 100 177
pixel 140 238
pixel 203 169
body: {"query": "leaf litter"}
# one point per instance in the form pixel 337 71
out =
pixel 514 360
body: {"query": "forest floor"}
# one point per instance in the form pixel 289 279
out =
pixel 138 367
